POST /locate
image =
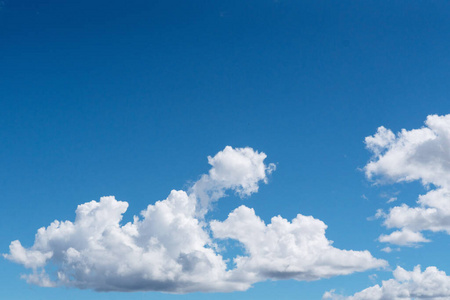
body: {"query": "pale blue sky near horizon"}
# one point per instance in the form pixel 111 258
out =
pixel 128 99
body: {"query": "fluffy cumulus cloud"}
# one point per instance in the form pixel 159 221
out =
pixel 419 154
pixel 171 246
pixel 283 249
pixel 406 285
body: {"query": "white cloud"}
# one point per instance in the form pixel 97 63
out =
pixel 331 294
pixel 387 249
pixel 166 250
pixel 170 248
pixel 240 169
pixel 28 258
pixel 403 237
pixel 380 141
pixel 392 199
pixel 420 154
pixel 283 249
pixel 429 284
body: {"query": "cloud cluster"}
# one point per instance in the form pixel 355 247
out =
pixel 419 154
pixel 171 247
pixel 406 285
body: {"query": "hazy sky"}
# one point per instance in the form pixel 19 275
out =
pixel 298 149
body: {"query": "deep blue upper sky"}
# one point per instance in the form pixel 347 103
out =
pixel 128 98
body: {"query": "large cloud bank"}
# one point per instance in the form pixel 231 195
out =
pixel 420 154
pixel 406 285
pixel 171 247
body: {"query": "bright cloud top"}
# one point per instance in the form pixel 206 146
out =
pixel 429 284
pixel 171 247
pixel 240 169
pixel 419 154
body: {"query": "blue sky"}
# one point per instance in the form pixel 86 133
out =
pixel 129 99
